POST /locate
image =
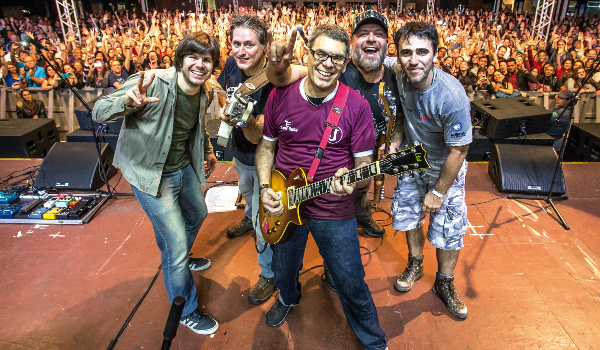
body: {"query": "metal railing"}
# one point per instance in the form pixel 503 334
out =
pixel 61 104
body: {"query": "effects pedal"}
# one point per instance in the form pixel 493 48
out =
pixel 50 203
pixel 8 197
pixel 63 202
pixel 38 213
pixel 51 214
pixel 9 211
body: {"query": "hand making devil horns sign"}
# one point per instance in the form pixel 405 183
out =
pixel 137 95
pixel 280 53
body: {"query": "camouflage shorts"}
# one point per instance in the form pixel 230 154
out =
pixel 446 227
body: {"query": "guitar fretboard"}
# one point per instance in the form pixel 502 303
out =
pixel 320 187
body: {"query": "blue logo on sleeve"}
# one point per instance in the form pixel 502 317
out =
pixel 457 126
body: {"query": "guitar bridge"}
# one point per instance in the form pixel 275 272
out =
pixel 291 202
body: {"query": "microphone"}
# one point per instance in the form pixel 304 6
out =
pixel 27 39
pixel 300 31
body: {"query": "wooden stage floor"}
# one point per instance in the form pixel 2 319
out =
pixel 528 283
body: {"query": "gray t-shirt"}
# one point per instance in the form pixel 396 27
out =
pixel 438 116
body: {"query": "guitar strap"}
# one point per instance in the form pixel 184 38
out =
pixel 332 121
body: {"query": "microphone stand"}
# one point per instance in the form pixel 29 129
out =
pixel 103 173
pixel 558 167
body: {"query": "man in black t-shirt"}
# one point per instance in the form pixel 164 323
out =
pixel 249 44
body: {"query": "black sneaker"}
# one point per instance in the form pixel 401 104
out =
pixel 413 272
pixel 244 226
pixel 443 288
pixel 200 323
pixel 328 280
pixel 262 290
pixel 371 227
pixel 198 264
pixel 277 313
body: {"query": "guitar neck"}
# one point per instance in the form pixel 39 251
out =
pixel 320 187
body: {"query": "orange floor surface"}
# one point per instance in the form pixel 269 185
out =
pixel 527 282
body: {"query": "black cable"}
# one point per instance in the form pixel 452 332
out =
pixel 114 341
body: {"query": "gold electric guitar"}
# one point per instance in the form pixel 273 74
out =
pixel 296 189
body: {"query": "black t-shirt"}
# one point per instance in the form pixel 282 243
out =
pixel 230 78
pixel 354 79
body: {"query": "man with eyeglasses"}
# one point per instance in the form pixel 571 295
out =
pixel 364 73
pixel 295 123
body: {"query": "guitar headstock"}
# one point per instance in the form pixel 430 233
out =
pixel 412 158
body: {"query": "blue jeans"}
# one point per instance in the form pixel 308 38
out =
pixel 248 185
pixel 339 246
pixel 176 213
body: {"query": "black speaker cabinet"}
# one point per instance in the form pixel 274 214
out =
pixel 74 165
pixel 584 143
pixel 481 148
pixel 80 135
pixel 525 169
pixel 27 138
pixel 85 123
pixel 507 117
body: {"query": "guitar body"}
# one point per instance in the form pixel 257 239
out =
pixel 275 229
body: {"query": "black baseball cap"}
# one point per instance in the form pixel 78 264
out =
pixel 369 16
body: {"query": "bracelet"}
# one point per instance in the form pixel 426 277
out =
pixel 436 193
pixel 260 188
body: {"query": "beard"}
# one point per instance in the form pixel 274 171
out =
pixel 368 64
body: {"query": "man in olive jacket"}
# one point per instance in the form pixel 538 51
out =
pixel 161 152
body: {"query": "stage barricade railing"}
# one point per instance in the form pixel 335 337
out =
pixel 61 104
pixel 585 110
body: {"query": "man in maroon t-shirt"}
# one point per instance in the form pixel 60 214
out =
pixel 295 119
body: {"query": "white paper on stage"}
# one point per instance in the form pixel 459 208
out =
pixel 221 198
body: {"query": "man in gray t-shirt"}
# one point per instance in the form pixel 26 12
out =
pixel 437 114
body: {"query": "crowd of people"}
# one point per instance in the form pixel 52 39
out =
pixel 485 51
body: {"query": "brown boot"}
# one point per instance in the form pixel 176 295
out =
pixel 443 288
pixel 244 226
pixel 412 273
pixel 262 290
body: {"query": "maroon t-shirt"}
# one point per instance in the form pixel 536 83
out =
pixel 512 78
pixel 298 126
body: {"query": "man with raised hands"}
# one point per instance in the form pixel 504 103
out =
pixel 162 149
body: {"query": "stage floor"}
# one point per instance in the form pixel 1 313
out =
pixel 527 282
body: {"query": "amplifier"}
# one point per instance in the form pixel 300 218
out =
pixel 507 117
pixel 27 138
pixel 584 143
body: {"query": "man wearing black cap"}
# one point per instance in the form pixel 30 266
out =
pixel 561 118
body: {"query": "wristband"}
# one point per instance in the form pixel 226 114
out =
pixel 436 193
pixel 260 188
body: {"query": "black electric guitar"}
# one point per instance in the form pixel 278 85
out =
pixel 295 189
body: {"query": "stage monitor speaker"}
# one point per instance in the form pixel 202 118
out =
pixel 584 143
pixel 27 138
pixel 74 165
pixel 85 123
pixel 480 149
pixel 508 117
pixel 525 169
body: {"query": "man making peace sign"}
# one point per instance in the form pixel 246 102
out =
pixel 161 152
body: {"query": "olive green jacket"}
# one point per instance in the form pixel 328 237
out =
pixel 145 136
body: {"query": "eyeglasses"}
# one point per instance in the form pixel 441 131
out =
pixel 323 56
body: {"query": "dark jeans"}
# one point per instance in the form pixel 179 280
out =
pixel 362 203
pixel 339 246
pixel 176 215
